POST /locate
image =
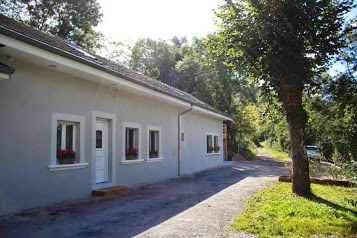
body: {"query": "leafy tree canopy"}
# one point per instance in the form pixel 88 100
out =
pixel 153 58
pixel 283 43
pixel 73 19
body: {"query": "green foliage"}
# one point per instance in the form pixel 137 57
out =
pixel 282 45
pixel 332 125
pixel 73 19
pixel 348 55
pixel 276 212
pixel 280 41
pixel 194 69
pixel 274 152
pixel 116 51
pixel 272 126
pixel 153 58
pixel 248 150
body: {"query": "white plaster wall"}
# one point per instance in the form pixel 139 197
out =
pixel 27 102
pixel 194 151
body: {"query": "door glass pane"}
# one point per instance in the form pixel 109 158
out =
pixel 99 139
pixel 69 137
pixel 59 136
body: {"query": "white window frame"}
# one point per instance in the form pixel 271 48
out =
pixel 70 119
pixel 212 134
pixel 63 137
pixel 158 129
pixel 134 126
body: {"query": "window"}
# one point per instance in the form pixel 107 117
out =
pixel 216 147
pixel 209 144
pixel 154 144
pixel 66 135
pixel 131 145
pixel 67 142
pixel 212 143
pixel 66 146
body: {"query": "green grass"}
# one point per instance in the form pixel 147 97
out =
pixel 276 212
pixel 250 152
pixel 275 153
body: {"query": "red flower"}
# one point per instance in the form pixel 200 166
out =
pixel 131 152
pixel 61 154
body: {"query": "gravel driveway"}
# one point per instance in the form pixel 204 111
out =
pixel 200 205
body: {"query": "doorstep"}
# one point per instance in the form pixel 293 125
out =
pixel 109 191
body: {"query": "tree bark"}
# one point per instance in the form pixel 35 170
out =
pixel 296 118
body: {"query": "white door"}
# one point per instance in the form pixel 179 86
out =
pixel 101 152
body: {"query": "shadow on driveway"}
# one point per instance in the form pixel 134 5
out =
pixel 131 213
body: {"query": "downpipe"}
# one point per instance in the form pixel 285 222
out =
pixel 179 139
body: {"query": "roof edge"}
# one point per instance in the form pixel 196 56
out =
pixel 42 45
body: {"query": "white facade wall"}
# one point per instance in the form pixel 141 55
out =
pixel 27 103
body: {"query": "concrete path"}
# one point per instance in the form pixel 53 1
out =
pixel 199 205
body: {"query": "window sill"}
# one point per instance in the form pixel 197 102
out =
pixel 155 159
pixel 136 161
pixel 213 154
pixel 57 167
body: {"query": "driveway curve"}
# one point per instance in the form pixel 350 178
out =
pixel 199 205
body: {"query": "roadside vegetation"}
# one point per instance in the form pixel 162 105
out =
pixel 276 212
pixel 274 152
pixel 249 151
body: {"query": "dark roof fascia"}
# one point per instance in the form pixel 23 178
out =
pixel 57 51
pixel 5 69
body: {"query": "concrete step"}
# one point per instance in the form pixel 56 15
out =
pixel 108 191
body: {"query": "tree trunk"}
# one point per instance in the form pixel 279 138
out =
pixel 296 118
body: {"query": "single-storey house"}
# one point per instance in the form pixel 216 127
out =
pixel 73 122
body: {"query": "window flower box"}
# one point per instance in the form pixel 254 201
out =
pixel 131 154
pixel 131 157
pixel 153 154
pixel 66 156
pixel 67 160
pixel 210 149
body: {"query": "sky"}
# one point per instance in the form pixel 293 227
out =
pixel 128 20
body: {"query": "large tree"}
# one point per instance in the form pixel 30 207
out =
pixel 154 59
pixel 72 19
pixel 283 44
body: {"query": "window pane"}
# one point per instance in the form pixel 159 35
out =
pixel 126 138
pixel 154 144
pixel 99 139
pixel 69 137
pixel 215 141
pixel 131 138
pixel 59 136
pixel 209 144
pixel 157 145
pixel 152 140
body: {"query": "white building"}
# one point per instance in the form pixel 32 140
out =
pixel 55 96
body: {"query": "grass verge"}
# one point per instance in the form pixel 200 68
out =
pixel 249 152
pixel 276 212
pixel 274 152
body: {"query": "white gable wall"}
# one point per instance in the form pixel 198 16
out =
pixel 194 152
pixel 27 102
